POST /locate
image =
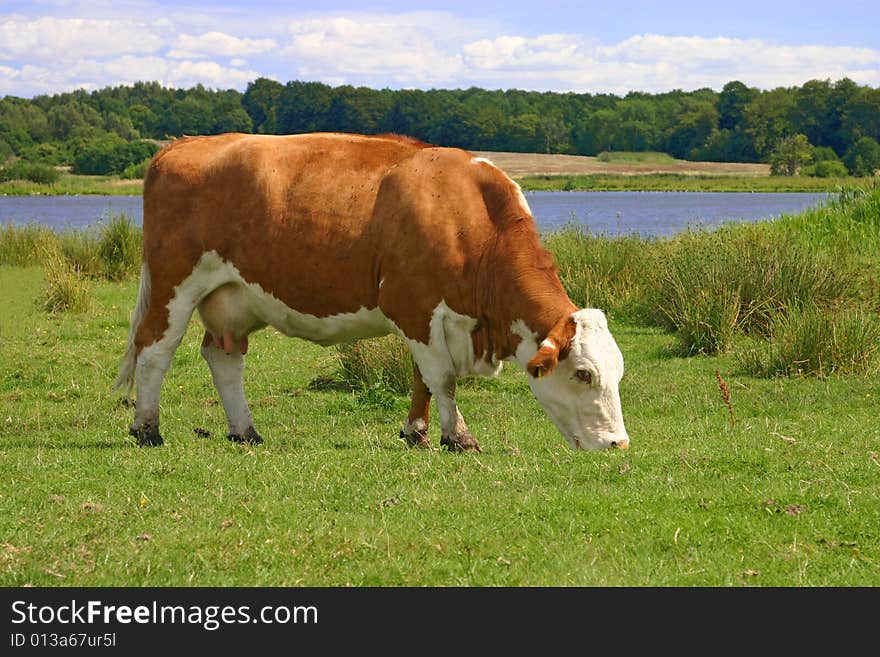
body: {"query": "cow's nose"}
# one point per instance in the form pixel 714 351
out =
pixel 620 444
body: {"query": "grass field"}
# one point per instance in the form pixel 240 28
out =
pixel 782 493
pixel 71 183
pixel 678 182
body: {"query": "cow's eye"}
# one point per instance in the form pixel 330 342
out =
pixel 585 376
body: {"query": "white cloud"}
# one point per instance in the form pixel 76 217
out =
pixel 91 74
pixel 659 63
pixel 217 43
pixel 212 74
pixel 418 48
pixel 550 51
pixel 48 39
pixel 90 47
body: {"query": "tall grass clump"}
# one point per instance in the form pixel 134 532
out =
pixel 66 289
pixel 21 246
pixel 816 341
pixel 383 362
pixel 708 286
pixel 849 220
pixel 80 249
pixel 119 248
pixel 599 271
pixel 112 251
pixel 706 320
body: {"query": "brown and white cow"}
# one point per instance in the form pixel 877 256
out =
pixel 338 237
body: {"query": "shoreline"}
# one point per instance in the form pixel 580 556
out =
pixel 661 182
pixel 544 172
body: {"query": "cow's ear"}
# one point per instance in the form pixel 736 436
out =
pixel 544 360
pixel 553 348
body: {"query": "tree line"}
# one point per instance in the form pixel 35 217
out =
pixel 113 129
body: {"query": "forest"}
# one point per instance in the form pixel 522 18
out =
pixel 832 126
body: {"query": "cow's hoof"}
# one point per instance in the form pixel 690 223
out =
pixel 250 436
pixel 147 436
pixel 464 442
pixel 416 439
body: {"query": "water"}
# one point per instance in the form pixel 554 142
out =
pixel 61 212
pixel 612 213
pixel 661 213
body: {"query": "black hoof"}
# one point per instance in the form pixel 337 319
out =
pixel 251 437
pixel 415 439
pixel 462 443
pixel 147 436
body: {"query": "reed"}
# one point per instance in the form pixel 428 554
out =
pixel 816 341
pixel 602 271
pixel 66 289
pixel 710 286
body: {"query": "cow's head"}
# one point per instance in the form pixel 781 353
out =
pixel 575 375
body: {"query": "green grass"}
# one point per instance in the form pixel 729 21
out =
pixel 674 182
pixel 70 183
pixel 711 286
pixel 818 341
pixel 851 221
pixel 380 363
pixel 601 271
pixel 66 288
pixel 635 157
pixel 783 492
pixel 787 496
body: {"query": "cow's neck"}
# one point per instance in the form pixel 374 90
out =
pixel 527 300
pixel 542 310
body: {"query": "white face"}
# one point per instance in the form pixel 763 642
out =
pixel 581 393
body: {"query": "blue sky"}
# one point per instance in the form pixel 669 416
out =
pixel 50 46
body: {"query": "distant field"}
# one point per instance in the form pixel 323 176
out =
pixel 537 164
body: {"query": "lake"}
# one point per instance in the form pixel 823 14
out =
pixel 613 213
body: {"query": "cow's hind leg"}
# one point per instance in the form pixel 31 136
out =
pixel 415 429
pixel 227 367
pixel 156 340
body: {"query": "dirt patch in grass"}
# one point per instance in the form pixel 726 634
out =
pixel 542 164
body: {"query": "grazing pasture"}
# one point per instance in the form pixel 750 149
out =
pixel 736 475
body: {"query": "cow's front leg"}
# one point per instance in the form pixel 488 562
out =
pixel 455 435
pixel 415 429
pixel 437 369
pixel 226 361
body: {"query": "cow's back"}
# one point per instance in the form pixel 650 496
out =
pixel 291 213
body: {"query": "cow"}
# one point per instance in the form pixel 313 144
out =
pixel 335 237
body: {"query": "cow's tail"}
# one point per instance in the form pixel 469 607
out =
pixel 129 360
